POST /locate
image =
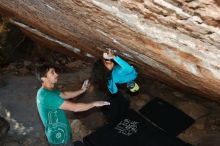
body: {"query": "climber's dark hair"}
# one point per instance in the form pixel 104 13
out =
pixel 100 75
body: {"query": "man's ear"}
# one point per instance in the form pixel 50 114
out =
pixel 43 79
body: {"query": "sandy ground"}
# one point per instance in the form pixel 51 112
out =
pixel 18 106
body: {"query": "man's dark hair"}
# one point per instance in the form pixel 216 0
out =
pixel 41 71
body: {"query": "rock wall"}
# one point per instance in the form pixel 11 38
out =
pixel 175 41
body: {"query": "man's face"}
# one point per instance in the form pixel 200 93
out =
pixel 51 76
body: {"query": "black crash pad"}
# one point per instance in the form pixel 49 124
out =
pixel 166 116
pixel 118 107
pixel 131 130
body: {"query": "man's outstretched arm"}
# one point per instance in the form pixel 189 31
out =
pixel 72 94
pixel 78 107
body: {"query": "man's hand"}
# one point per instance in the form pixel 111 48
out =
pixel 73 94
pixel 100 103
pixel 85 85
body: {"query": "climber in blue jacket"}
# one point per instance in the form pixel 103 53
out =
pixel 121 73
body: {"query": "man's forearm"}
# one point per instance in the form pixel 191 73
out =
pixel 71 94
pixel 77 107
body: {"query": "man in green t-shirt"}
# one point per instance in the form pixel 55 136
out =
pixel 51 104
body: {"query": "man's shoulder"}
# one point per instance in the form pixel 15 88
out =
pixel 49 98
pixel 46 91
pixel 41 91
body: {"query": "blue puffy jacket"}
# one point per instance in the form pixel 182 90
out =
pixel 121 73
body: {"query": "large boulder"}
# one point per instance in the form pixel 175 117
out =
pixel 174 41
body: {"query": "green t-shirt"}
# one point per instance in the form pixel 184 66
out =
pixel 57 127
